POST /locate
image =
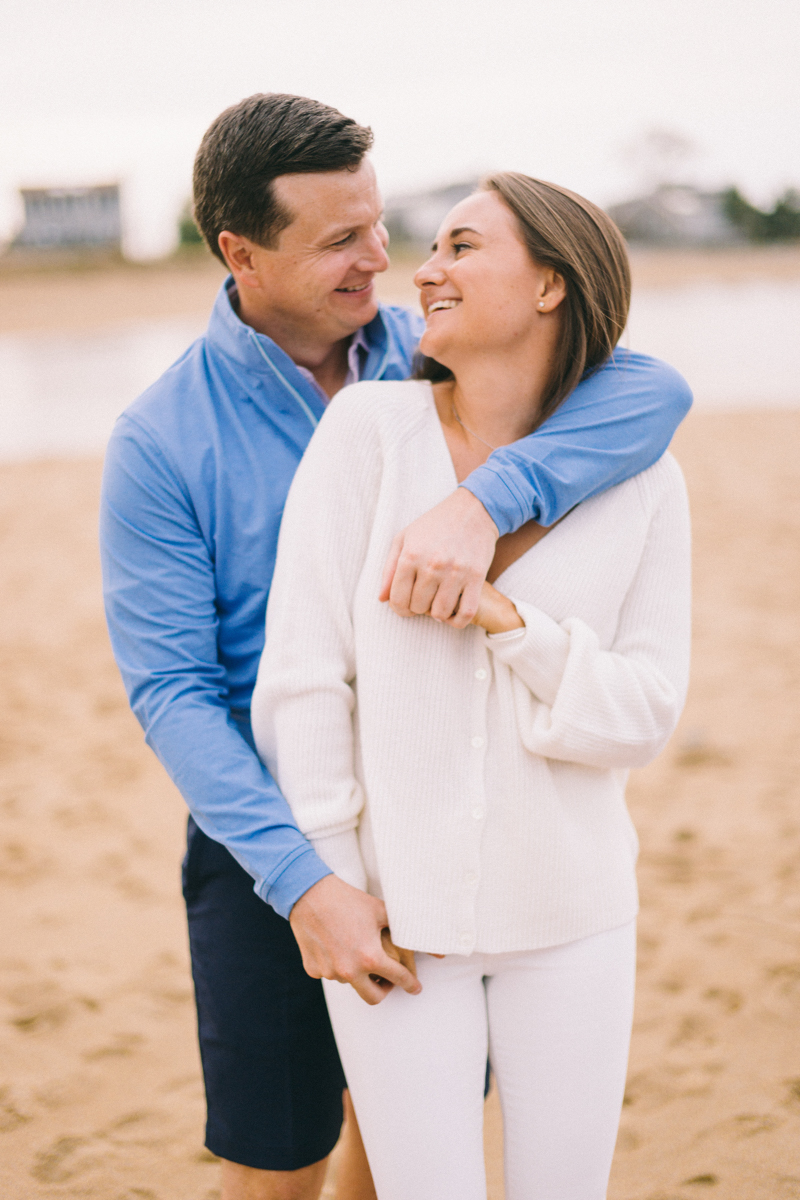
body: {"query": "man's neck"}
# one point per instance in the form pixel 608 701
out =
pixel 326 361
pixel 331 373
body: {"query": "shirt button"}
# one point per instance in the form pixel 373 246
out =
pixel 481 673
pixel 477 814
pixel 477 741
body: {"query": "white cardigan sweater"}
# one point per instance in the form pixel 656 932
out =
pixel 476 783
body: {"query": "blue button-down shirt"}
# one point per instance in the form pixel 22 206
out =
pixel 196 476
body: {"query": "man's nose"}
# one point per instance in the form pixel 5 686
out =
pixel 375 257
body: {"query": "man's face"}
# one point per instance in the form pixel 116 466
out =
pixel 318 280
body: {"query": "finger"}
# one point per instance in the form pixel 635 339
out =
pixel 371 989
pixel 422 594
pixel 468 606
pixel 408 960
pixel 395 972
pixel 402 586
pixel 446 600
pixel 398 953
pixel 395 551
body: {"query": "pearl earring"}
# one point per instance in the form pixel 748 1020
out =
pixel 541 304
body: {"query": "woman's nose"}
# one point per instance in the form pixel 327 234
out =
pixel 429 273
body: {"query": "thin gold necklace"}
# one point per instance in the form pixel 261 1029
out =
pixel 470 431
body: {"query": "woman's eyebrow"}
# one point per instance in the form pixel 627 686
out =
pixel 463 229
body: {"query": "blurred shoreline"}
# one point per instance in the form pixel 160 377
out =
pixel 89 296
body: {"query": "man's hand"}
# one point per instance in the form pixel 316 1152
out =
pixel 340 934
pixel 438 563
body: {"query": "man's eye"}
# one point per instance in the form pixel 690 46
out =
pixel 344 241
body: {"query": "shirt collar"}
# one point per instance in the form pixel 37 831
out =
pixel 357 353
pixel 228 330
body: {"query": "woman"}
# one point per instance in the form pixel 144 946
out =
pixel 475 779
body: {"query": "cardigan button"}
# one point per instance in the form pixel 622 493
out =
pixel 481 674
pixel 477 741
pixel 477 814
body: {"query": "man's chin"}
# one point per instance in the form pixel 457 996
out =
pixel 355 309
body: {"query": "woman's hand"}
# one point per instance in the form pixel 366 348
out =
pixel 496 613
pixel 404 957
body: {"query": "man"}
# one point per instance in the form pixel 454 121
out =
pixel 196 476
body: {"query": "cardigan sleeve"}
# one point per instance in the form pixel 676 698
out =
pixel 615 708
pixel 303 699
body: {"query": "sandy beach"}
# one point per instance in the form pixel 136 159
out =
pixel 85 299
pixel 100 1090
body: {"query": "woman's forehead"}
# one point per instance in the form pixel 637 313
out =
pixel 482 212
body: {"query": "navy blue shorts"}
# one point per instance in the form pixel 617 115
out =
pixel 272 1072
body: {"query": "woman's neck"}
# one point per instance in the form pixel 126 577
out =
pixel 487 406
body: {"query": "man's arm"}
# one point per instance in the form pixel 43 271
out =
pixel 615 424
pixel 160 604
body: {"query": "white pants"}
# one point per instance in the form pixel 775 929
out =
pixel 556 1024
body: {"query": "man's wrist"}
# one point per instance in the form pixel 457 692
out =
pixel 477 509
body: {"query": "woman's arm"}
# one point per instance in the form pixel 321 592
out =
pixel 611 708
pixel 303 700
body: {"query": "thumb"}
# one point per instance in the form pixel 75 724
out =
pixel 391 566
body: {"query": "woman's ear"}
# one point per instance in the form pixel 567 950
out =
pixel 553 291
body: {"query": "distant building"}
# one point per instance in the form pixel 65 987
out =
pixel 416 216
pixel 71 218
pixel 677 215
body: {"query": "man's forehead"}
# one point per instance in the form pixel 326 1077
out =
pixel 330 200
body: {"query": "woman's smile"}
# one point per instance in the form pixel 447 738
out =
pixel 437 305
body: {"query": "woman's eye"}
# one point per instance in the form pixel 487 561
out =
pixel 461 246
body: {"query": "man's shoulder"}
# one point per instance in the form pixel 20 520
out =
pixel 401 317
pixel 404 328
pixel 166 396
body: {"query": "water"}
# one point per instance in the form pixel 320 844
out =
pixel 60 394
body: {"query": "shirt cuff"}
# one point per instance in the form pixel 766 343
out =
pixel 341 852
pixel 508 635
pixel 539 657
pixel 282 893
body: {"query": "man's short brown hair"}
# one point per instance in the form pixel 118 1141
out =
pixel 250 145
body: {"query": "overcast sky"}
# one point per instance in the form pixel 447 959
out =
pixel 92 91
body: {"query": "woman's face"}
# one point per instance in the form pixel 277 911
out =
pixel 480 290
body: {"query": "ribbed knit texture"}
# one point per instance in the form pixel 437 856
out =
pixel 476 783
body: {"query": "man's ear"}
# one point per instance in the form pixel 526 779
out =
pixel 238 254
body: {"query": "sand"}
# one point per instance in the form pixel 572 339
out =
pixel 100 1092
pixel 95 297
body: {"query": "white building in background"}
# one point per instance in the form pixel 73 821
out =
pixel 71 218
pixel 416 217
pixel 677 215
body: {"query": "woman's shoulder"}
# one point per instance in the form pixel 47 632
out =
pixel 378 404
pixel 663 481
pixel 660 485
